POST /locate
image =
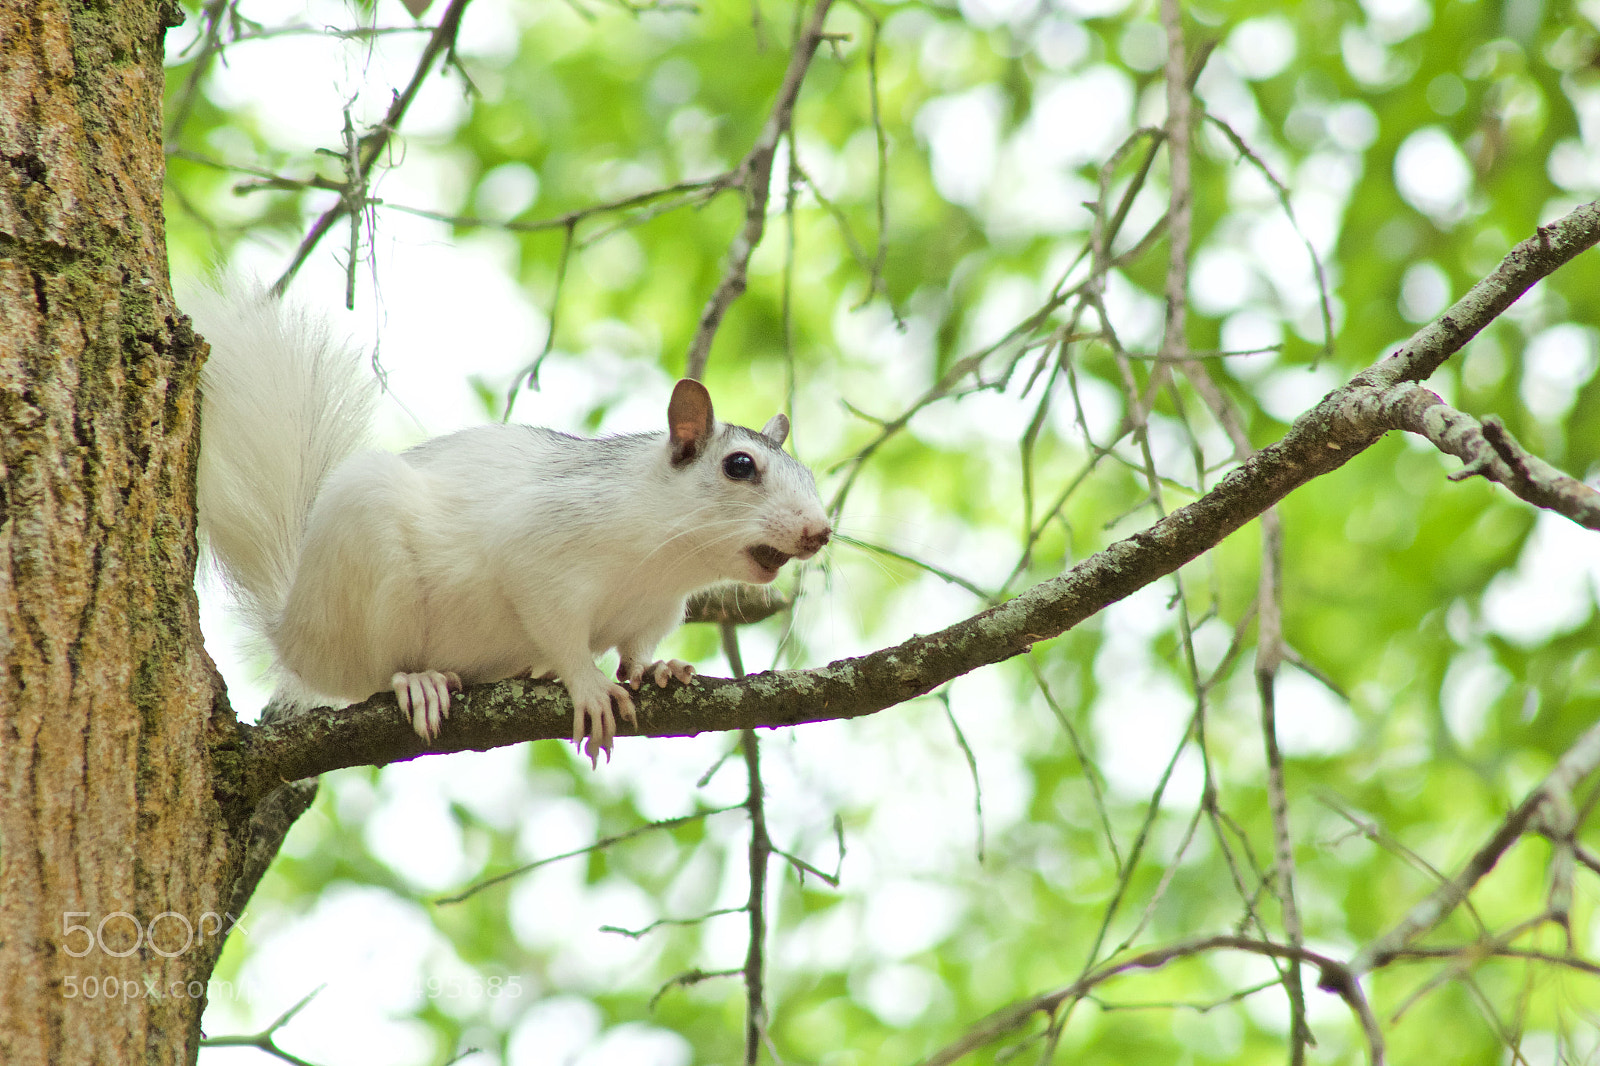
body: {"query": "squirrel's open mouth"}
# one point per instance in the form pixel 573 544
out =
pixel 767 557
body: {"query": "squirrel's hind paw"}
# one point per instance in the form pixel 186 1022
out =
pixel 424 699
pixel 661 671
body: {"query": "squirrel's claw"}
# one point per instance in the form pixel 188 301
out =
pixel 424 698
pixel 633 673
pixel 594 707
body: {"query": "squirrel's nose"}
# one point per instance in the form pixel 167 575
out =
pixel 813 538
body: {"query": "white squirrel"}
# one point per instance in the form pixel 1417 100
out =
pixel 493 552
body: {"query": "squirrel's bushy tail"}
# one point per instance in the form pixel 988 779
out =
pixel 283 403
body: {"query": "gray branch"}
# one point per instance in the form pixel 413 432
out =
pixel 1487 449
pixel 1345 423
pixel 1578 762
pixel 755 176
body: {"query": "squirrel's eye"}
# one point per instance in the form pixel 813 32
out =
pixel 739 466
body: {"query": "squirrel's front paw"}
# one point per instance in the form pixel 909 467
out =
pixel 424 698
pixel 594 701
pixel 632 673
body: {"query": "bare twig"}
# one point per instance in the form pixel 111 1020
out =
pixel 530 373
pixel 755 1015
pixel 755 177
pixel 1091 772
pixel 1180 198
pixel 263 1041
pixel 881 187
pixel 1008 1019
pixel 937 571
pixel 637 934
pixel 1374 833
pixel 688 978
pixel 1578 762
pixel 598 845
pixel 1135 851
pixel 690 192
pixel 1496 950
pixel 801 867
pixel 1283 852
pixel 1324 300
pixel 210 47
pixel 972 767
pixel 441 42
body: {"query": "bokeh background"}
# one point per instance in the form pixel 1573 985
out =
pixel 928 305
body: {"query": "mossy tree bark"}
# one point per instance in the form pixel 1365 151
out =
pixel 118 843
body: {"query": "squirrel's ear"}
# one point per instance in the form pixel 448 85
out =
pixel 689 420
pixel 776 430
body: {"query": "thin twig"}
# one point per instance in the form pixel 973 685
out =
pixel 1577 763
pixel 972 766
pixel 755 177
pixel 210 47
pixel 760 851
pixel 529 375
pixel 1324 298
pixel 637 934
pixel 755 1018
pixel 1009 1018
pixel 441 42
pixel 264 1040
pixel 598 845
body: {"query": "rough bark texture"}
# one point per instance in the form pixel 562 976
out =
pixel 109 711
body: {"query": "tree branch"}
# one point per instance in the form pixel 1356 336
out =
pixel 1344 423
pixel 1335 979
pixel 441 42
pixel 270 822
pixel 1552 246
pixel 756 178
pixel 507 712
pixel 1488 449
pixel 1579 761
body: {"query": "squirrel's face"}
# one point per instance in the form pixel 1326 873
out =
pixel 759 503
pixel 786 519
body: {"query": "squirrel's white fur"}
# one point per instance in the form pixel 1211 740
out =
pixel 498 551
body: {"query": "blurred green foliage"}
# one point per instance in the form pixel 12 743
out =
pixel 1452 628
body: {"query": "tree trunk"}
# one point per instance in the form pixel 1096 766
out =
pixel 118 846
